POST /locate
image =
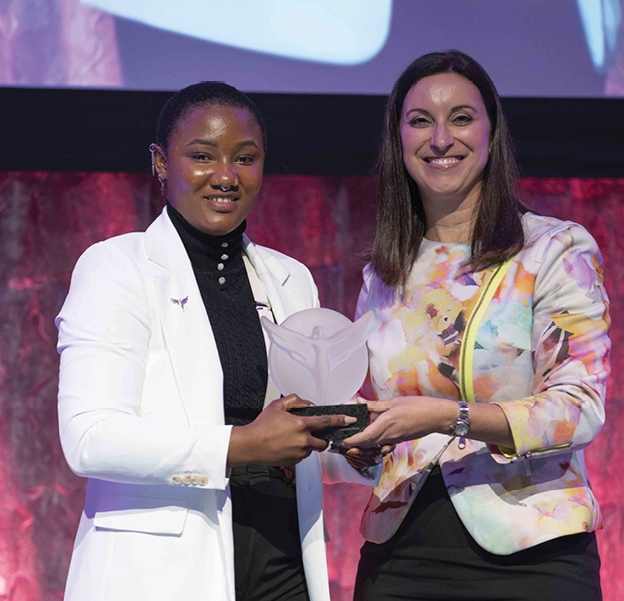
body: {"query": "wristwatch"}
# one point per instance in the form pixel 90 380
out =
pixel 462 426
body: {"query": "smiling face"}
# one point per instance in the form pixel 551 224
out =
pixel 213 166
pixel 445 135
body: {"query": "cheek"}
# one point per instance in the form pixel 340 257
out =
pixel 411 162
pixel 411 142
pixel 485 141
pixel 253 179
pixel 407 142
pixel 192 178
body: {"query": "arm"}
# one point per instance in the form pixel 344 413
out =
pixel 277 437
pixel 571 348
pixel 105 328
pixel 410 417
pixel 570 352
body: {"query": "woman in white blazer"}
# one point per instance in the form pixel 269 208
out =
pixel 146 370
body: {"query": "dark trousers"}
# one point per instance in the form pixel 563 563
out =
pixel 267 550
pixel 433 557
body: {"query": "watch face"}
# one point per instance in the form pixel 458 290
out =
pixel 461 429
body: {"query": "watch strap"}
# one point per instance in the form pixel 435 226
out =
pixel 461 427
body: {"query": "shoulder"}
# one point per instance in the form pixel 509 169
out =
pixel 129 246
pixel 108 285
pixel 561 253
pixel 540 231
pixel 286 269
pixel 115 259
pixel 374 294
pixel 285 260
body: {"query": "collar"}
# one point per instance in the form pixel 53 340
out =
pixel 164 247
pixel 204 249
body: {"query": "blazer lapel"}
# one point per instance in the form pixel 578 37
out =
pixel 274 276
pixel 185 325
pixel 285 300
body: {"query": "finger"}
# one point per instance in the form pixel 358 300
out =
pixel 291 401
pixel 387 449
pixel 359 453
pixel 321 422
pixel 318 444
pixel 375 406
pixel 363 440
pixel 339 449
pixel 378 406
pixel 367 438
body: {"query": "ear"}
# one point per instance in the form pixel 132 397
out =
pixel 160 161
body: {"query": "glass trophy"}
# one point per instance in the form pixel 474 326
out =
pixel 321 356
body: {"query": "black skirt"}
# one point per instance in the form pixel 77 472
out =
pixel 267 550
pixel 433 557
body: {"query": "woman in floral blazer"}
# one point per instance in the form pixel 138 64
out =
pixel 489 363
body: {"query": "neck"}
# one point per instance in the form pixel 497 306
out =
pixel 450 219
pixel 199 244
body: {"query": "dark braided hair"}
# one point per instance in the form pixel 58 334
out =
pixel 205 92
pixel 401 220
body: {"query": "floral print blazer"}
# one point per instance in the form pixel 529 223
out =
pixel 541 353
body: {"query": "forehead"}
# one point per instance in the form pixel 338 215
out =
pixel 213 122
pixel 443 90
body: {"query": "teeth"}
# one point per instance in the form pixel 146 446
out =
pixel 221 199
pixel 444 161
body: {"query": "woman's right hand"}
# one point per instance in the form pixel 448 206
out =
pixel 277 437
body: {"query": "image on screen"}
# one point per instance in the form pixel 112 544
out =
pixel 535 48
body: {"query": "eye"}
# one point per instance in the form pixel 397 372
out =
pixel 245 159
pixel 419 121
pixel 201 156
pixel 462 119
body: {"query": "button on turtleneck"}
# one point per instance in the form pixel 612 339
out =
pixel 217 256
pixel 224 286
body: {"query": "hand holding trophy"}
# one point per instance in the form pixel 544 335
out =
pixel 321 356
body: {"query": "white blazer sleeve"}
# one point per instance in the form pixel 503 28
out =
pixel 105 328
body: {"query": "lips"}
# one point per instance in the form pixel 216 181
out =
pixel 220 199
pixel 443 161
pixel 222 202
pixel 224 197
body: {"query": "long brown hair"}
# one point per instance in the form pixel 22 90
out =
pixel 401 222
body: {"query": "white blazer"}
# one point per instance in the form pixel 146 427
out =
pixel 141 415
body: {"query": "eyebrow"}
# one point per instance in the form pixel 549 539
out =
pixel 215 145
pixel 455 108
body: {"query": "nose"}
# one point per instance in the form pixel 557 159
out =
pixel 441 138
pixel 224 176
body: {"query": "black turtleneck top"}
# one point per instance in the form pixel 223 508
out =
pixel 225 289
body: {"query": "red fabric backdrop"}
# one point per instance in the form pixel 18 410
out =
pixel 48 219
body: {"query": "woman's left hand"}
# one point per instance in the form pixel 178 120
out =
pixel 404 418
pixel 362 458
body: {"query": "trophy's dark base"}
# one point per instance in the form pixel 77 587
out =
pixel 358 411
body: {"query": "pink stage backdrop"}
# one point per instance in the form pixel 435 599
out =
pixel 48 219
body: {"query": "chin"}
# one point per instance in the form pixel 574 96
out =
pixel 445 193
